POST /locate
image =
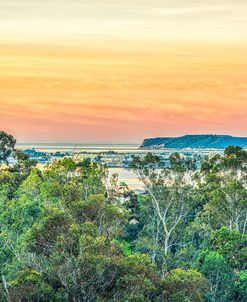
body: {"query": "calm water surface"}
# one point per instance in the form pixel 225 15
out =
pixel 70 147
pixel 127 176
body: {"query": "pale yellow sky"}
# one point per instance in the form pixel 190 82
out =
pixel 222 20
pixel 119 71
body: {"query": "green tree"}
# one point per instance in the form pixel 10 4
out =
pixel 67 233
pixel 171 203
pixel 220 276
pixel 184 286
pixel 228 205
pixel 30 285
pixel 232 245
pixel 181 164
pixel 241 287
pixel 7 145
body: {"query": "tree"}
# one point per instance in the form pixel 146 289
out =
pixel 85 162
pixel 220 276
pixel 241 287
pixel 181 164
pixel 171 197
pixel 69 234
pixel 30 285
pixel 181 285
pixel 228 205
pixel 232 245
pixel 236 151
pixel 7 145
pixel 137 280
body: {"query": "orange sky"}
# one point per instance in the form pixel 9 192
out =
pixel 82 73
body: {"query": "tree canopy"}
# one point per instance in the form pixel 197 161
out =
pixel 67 233
pixel 7 145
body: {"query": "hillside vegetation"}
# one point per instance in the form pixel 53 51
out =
pixel 195 141
pixel 68 233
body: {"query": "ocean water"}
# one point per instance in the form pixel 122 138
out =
pixel 127 176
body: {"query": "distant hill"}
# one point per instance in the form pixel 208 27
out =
pixel 194 141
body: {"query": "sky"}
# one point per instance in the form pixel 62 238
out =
pixel 120 71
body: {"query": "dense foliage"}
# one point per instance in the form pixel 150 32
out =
pixel 67 233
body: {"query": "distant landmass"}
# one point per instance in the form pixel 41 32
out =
pixel 194 141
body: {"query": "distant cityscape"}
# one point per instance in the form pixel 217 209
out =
pixel 114 158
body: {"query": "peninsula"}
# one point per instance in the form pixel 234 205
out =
pixel 194 141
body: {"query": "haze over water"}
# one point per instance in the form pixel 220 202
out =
pixel 70 147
